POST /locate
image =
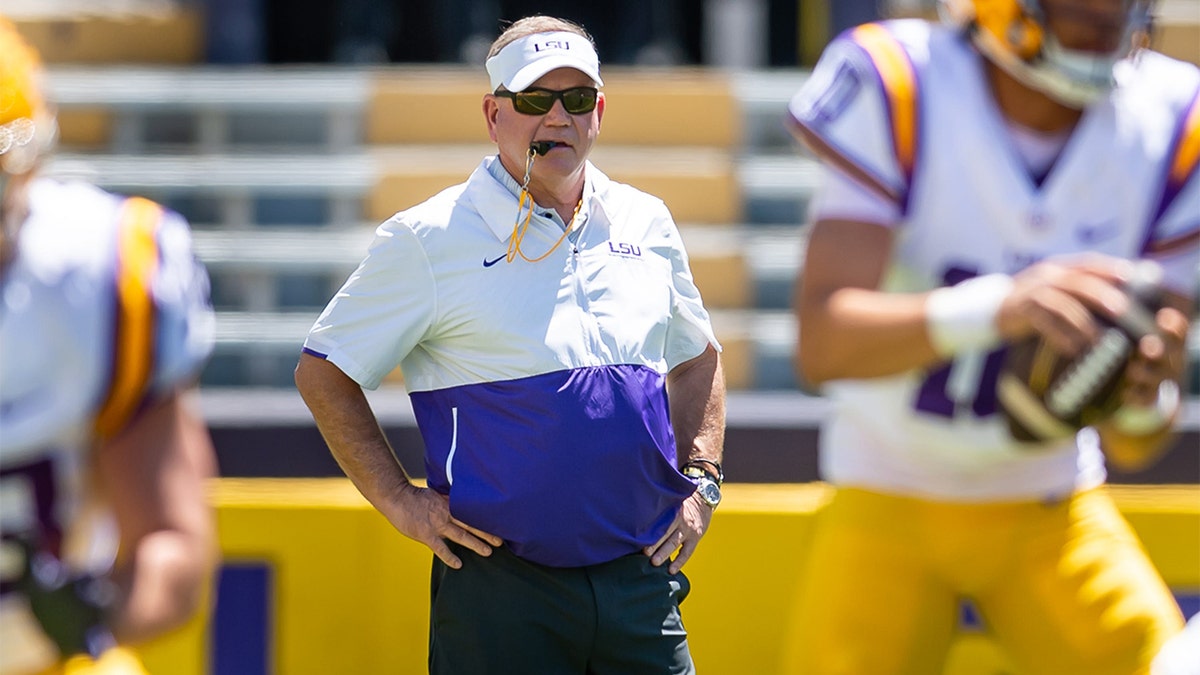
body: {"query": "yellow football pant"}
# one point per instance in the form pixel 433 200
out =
pixel 115 661
pixel 1066 587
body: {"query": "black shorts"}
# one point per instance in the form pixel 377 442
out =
pixel 503 615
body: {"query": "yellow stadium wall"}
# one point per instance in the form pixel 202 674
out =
pixel 345 593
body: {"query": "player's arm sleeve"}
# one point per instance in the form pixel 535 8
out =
pixel 842 197
pixel 690 329
pixel 857 119
pixel 382 311
pixel 186 328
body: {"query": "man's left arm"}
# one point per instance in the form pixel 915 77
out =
pixel 696 391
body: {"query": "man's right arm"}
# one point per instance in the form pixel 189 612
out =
pixel 356 441
pixel 850 328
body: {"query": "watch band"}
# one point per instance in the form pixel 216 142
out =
pixel 704 464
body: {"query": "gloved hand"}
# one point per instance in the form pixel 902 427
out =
pixel 70 607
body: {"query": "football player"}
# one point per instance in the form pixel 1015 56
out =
pixel 107 536
pixel 989 177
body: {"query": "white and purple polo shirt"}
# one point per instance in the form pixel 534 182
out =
pixel 539 388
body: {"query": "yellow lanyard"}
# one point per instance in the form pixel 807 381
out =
pixel 521 227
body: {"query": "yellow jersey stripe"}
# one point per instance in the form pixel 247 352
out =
pixel 1181 163
pixel 133 350
pixel 1187 152
pixel 900 86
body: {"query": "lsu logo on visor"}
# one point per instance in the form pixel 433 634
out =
pixel 551 44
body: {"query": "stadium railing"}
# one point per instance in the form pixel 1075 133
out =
pixel 125 109
pixel 270 282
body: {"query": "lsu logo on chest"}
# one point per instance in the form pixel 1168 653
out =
pixel 624 249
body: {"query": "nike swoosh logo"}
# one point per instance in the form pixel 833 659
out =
pixel 489 263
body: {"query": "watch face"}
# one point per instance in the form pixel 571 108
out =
pixel 710 493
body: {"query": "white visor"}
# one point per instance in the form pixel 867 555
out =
pixel 523 61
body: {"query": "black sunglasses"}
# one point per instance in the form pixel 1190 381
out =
pixel 576 100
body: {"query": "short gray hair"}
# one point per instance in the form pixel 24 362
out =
pixel 532 25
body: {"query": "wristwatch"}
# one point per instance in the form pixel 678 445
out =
pixel 706 488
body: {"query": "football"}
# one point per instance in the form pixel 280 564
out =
pixel 1045 396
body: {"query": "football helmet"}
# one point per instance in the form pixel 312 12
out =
pixel 27 127
pixel 1014 35
pixel 27 130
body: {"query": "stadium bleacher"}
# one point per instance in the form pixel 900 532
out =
pixel 286 160
pixel 285 171
pixel 111 31
pixel 270 162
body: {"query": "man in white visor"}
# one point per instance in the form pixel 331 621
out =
pixel 539 312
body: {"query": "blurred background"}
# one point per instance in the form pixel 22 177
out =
pixel 286 130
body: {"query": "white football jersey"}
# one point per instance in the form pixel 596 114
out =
pixel 103 308
pixel 903 108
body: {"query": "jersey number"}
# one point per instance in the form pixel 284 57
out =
pixel 837 96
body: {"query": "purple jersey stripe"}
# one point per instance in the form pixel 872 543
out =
pixel 570 468
pixel 1180 165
